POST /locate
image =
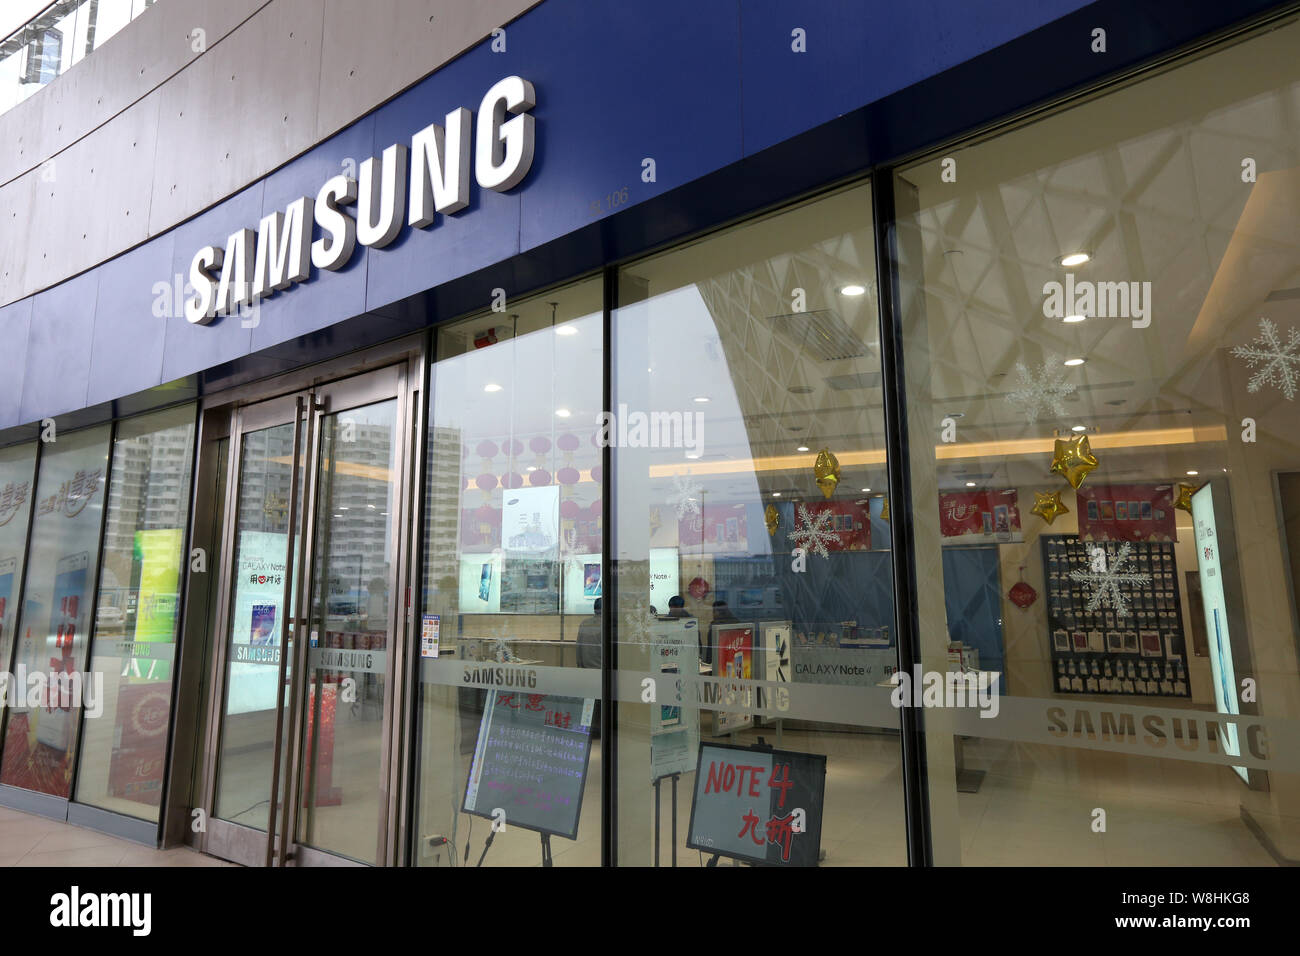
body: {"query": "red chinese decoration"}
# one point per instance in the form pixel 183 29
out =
pixel 1022 594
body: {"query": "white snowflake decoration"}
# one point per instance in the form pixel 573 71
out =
pixel 634 623
pixel 685 496
pixel 1107 579
pixel 498 646
pixel 1042 390
pixel 1281 363
pixel 814 535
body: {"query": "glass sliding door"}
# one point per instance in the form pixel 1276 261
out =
pixel 354 621
pixel 313 618
pixel 265 538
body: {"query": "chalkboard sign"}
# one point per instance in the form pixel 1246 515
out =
pixel 758 804
pixel 530 761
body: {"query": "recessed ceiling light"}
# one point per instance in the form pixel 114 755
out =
pixel 803 448
pixel 776 494
pixel 563 412
pixel 853 290
pixel 1193 472
pixel 491 387
pixel 1074 361
pixel 1074 318
pixel 1075 259
pixel 566 330
pixel 532 467
pixel 970 484
pixel 701 398
pixel 866 489
pixel 956 415
pixel 1078 428
pixel 692 455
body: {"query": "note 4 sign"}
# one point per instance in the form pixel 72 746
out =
pixel 758 804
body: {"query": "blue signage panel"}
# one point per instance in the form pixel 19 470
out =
pixel 690 87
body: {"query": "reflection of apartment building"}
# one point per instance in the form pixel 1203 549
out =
pixel 355 485
pixel 443 505
pixel 149 488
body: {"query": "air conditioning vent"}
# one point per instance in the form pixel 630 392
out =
pixel 822 334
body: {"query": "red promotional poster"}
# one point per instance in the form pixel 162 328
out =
pixel 734 658
pixel 1126 513
pixel 716 528
pixel 327 795
pixel 135 769
pixel 848 522
pixel 979 512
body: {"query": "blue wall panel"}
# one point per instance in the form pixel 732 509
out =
pixel 58 348
pixel 15 323
pixel 860 52
pixel 630 81
pixel 127 354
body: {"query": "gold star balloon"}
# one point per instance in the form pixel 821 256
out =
pixel 1184 498
pixel 1073 458
pixel 884 507
pixel 1047 505
pixel 826 469
pixel 771 518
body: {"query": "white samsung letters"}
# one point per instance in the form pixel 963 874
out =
pixel 433 172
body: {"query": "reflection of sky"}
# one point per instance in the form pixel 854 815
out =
pixel 668 352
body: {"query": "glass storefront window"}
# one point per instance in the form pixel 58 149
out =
pixel 123 749
pixel 1100 331
pixel 57 614
pixel 509 688
pixel 752 541
pixel 17 471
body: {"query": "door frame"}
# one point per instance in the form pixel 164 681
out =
pixel 225 410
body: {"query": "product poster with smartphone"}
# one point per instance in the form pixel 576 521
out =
pixel 675 715
pixel 733 658
pixel 256 621
pixel 1216 615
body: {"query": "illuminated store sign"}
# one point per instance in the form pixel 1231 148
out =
pixel 433 172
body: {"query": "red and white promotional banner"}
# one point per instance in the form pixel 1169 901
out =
pixel 979 512
pixel 1126 513
pixel 848 520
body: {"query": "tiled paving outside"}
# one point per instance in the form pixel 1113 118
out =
pixel 30 840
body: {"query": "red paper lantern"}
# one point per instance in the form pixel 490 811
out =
pixel 1022 594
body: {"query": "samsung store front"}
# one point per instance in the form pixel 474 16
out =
pixel 579 460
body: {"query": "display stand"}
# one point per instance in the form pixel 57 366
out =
pixel 546 850
pixel 673 820
pixel 487 845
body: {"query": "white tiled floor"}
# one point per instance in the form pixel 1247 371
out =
pixel 30 840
